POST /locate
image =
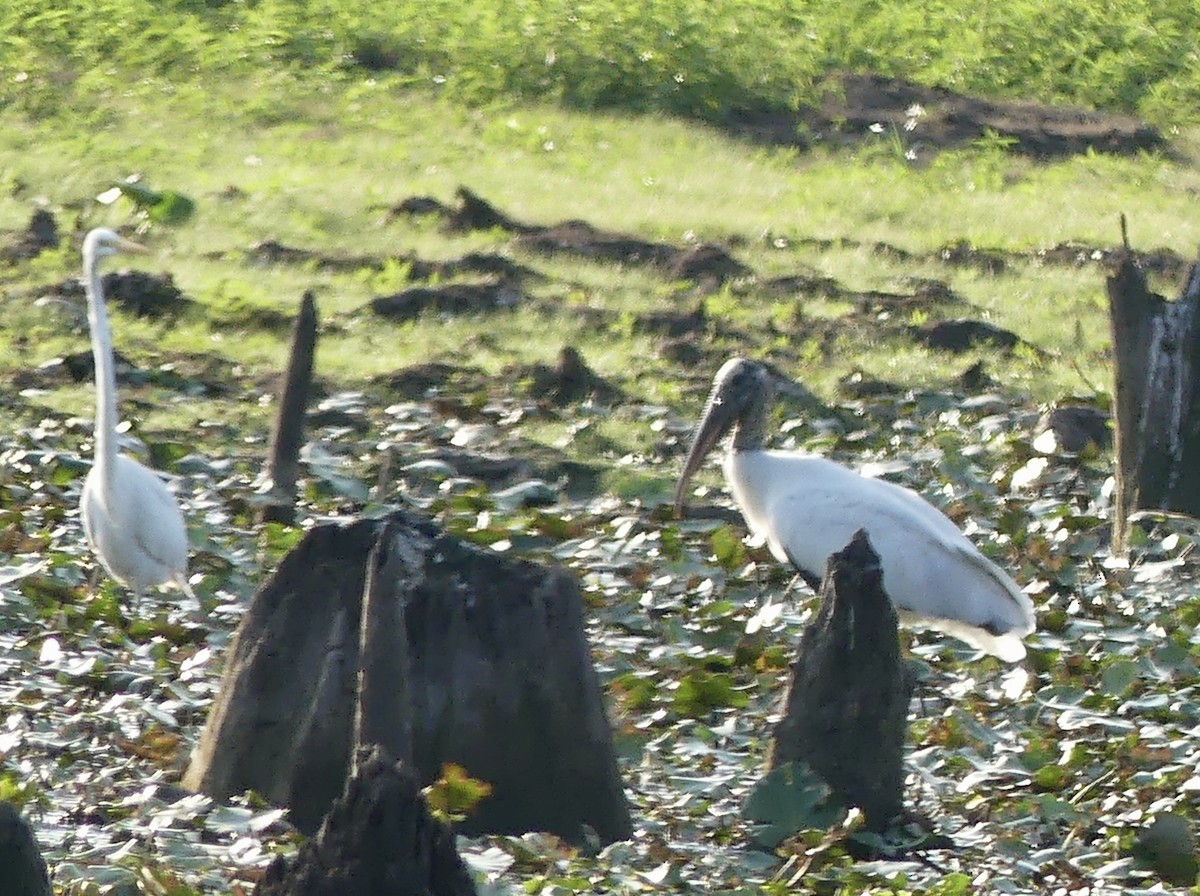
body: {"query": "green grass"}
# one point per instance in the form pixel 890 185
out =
pixel 324 182
pixel 703 60
pixel 292 172
pixel 267 114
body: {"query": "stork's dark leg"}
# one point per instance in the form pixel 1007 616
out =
pixel 813 582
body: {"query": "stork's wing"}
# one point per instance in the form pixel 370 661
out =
pixel 807 508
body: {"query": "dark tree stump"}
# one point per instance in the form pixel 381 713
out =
pixel 847 702
pixel 377 840
pixel 503 685
pixel 1156 363
pixel 499 681
pixel 22 868
pixel 282 721
pixel 283 466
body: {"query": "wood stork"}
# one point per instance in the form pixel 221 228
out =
pixel 807 508
pixel 132 522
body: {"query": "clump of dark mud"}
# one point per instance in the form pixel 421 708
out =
pixel 962 334
pixel 855 105
pixel 417 381
pixel 40 235
pixel 151 296
pixel 453 298
pixel 703 263
pixel 273 252
pixel 568 381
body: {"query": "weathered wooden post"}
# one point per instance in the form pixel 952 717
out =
pixel 1156 365
pixel 283 465
pixel 846 711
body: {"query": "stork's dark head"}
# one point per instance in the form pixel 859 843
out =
pixel 741 393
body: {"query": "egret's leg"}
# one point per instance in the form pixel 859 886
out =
pixel 194 604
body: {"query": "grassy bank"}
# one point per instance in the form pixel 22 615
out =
pixel 703 60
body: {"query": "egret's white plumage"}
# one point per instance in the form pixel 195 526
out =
pixel 807 507
pixel 132 522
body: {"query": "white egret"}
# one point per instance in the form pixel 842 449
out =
pixel 808 507
pixel 132 522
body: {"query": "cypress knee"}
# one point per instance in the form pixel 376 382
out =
pixel 847 702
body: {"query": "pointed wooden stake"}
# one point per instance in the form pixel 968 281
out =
pixel 283 465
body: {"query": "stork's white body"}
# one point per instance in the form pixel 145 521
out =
pixel 808 507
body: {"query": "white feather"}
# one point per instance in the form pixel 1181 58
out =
pixel 809 507
pixel 132 521
pixel 135 527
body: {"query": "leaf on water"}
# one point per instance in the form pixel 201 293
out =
pixel 1161 569
pixel 10 574
pixel 51 652
pixel 263 820
pixel 1030 473
pixel 232 819
pixel 727 547
pixel 768 614
pixel 531 493
pixel 80 667
pixel 160 715
pixel 787 800
pixel 882 468
pixel 455 793
pixel 327 467
pixel 108 878
pixel 1118 677
pixel 1075 719
pixel 492 861
pixel 1015 682
pixel 1119 868
pixel 700 692
pixel 658 876
pixel 1051 778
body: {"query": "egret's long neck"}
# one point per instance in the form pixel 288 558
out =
pixel 750 432
pixel 106 375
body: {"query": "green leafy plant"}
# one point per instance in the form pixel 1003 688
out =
pixel 453 795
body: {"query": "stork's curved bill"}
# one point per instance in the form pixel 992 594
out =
pixel 807 507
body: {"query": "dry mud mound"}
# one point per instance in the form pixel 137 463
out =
pixel 853 103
